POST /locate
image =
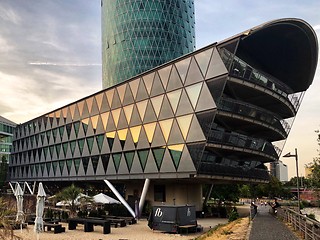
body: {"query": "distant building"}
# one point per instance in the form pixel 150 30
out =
pixel 282 171
pixel 140 35
pixel 208 117
pixel 307 170
pixel 6 133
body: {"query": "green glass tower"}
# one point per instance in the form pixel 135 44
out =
pixel 138 35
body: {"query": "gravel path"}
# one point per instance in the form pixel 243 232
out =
pixel 267 227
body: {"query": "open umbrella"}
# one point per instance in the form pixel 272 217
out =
pixel 19 196
pixel 38 222
pixel 104 199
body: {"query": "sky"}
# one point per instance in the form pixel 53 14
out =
pixel 50 56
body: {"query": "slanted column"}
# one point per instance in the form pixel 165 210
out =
pixel 143 195
pixel 208 195
pixel 121 199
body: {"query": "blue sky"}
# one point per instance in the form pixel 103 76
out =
pixel 50 55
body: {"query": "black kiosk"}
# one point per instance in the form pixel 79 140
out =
pixel 173 219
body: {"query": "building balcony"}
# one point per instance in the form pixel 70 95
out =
pixel 259 88
pixel 244 147
pixel 251 120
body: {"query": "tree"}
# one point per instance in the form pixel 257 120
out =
pixel 70 195
pixel 6 231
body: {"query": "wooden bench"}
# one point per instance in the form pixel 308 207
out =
pixel 57 228
pixel 88 224
pixel 186 228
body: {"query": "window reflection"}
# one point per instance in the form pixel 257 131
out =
pixel 134 87
pixel 89 103
pixel 121 90
pixel 116 115
pixel 105 117
pixel 94 121
pixel 174 99
pixel 135 132
pixel 72 110
pixel 122 134
pixel 156 102
pixel 99 100
pixel 184 124
pixel 193 93
pixel 203 60
pixel 164 75
pixel 142 108
pixel 110 96
pixel 166 127
pixel 128 112
pixel 182 67
pixel 149 129
pixel 80 107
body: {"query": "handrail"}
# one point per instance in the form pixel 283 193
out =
pixel 240 69
pixel 309 228
pixel 254 112
pixel 233 139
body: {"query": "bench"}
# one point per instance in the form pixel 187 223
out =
pixel 186 228
pixel 57 228
pixel 88 224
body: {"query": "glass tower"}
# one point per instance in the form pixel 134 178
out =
pixel 138 35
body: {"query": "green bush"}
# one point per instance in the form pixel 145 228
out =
pixel 312 216
pixel 233 215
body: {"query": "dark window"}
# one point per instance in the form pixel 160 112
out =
pixel 159 193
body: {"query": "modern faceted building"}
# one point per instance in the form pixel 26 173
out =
pixel 140 35
pixel 207 117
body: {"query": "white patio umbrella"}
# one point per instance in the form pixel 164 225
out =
pixel 104 199
pixel 38 222
pixel 19 196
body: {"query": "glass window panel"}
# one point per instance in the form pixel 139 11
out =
pixel 99 98
pixel 143 157
pixel 54 167
pixel 116 115
pixel 76 163
pixel 128 112
pixel 58 148
pixel 182 68
pixel 135 132
pixel 110 138
pixel 110 96
pixel 100 139
pixel 90 143
pixel 72 109
pixel 142 108
pixel 105 161
pixel 174 99
pixel 166 127
pixel 116 160
pixel 174 81
pixel 72 146
pixel 89 103
pixel 149 129
pixel 69 164
pixel 81 144
pixel 80 106
pixel 51 148
pixel 148 80
pixel 65 148
pixel 164 75
pixel 64 112
pixel 158 154
pixel 85 163
pixel 134 87
pixel 105 117
pixel 193 92
pixel 48 164
pixel 156 102
pixel 184 124
pixel 129 159
pixel 61 166
pixel 122 134
pixel 203 60
pixel 121 90
pixel 95 161
pixel 94 121
pixel 85 123
pixel 175 153
pixel 76 128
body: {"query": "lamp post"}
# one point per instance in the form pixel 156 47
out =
pixel 296 157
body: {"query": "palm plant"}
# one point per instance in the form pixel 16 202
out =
pixel 6 230
pixel 74 197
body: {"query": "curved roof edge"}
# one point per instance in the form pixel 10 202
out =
pixel 285 48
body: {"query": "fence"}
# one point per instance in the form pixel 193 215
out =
pixel 307 227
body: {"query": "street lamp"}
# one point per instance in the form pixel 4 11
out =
pixel 296 156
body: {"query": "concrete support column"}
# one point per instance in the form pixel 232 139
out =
pixel 208 195
pixel 143 195
pixel 121 199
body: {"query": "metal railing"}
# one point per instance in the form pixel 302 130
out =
pixel 242 141
pixel 240 69
pixel 254 112
pixel 307 227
